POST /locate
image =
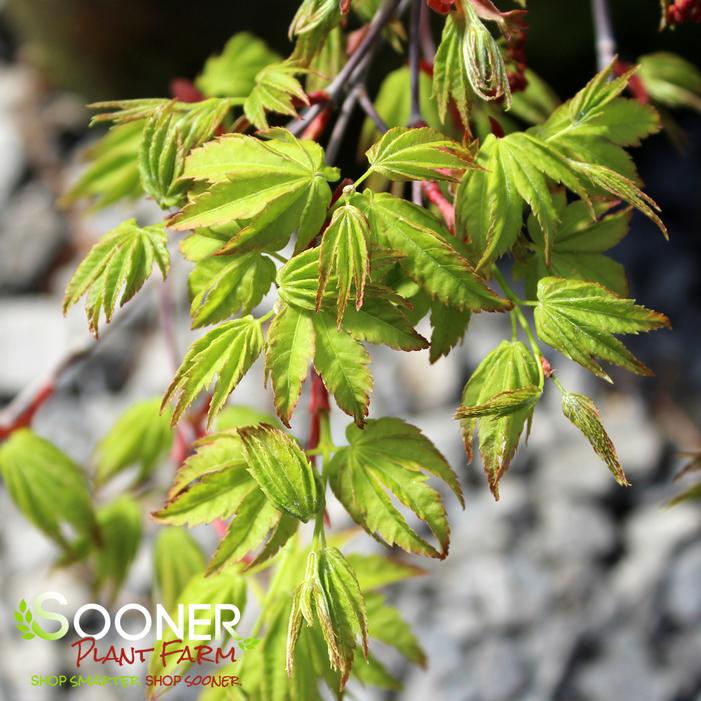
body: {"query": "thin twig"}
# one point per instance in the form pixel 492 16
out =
pixel 339 128
pixel 369 108
pixel 343 80
pixel 414 52
pixel 603 28
pixel 428 45
pixel 21 410
pixel 166 310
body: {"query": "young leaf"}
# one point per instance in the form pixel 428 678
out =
pixel 312 24
pixel 258 183
pixel 222 286
pixel 121 529
pixel 508 368
pixel 330 597
pixel 579 319
pixel 375 571
pixel 120 262
pixel 113 170
pixel 344 252
pixel 386 624
pixel 217 494
pixel 162 158
pixel 418 154
pixel 232 73
pixel 489 202
pixel 225 353
pixel 483 59
pixel 177 558
pixel 598 111
pixel 622 187
pixel 282 470
pixel 450 81
pixel 449 327
pixel 141 437
pixel 431 258
pixel 578 247
pixel 217 482
pixel 276 90
pixel 503 404
pixel 343 364
pixel 582 412
pixel 671 80
pixel 47 487
pixel 289 351
pixel 256 519
pixel 298 282
pixel 390 457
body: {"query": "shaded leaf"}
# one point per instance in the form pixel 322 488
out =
pixel 390 458
pixel 177 558
pixel 141 437
pixel 507 368
pixel 47 487
pixel 232 73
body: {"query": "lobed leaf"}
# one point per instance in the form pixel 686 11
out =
pixel 344 253
pixel 220 358
pixel 120 262
pixel 289 351
pixel 141 437
pixel 276 90
pixel 507 369
pixel 47 487
pixel 579 319
pixel 418 154
pixel 343 364
pixel 431 258
pixel 223 286
pixel 391 458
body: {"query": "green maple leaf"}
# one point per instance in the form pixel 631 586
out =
pixel 223 286
pixel 392 458
pixel 225 353
pixel 578 247
pixel 281 181
pixel 119 263
pixel 500 394
pixel 418 154
pixel 580 318
pixel 275 90
pixel 289 352
pixel 431 256
pixel 344 252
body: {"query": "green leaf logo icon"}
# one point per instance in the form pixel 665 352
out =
pixel 23 620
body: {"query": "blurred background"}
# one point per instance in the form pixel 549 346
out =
pixel 570 588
